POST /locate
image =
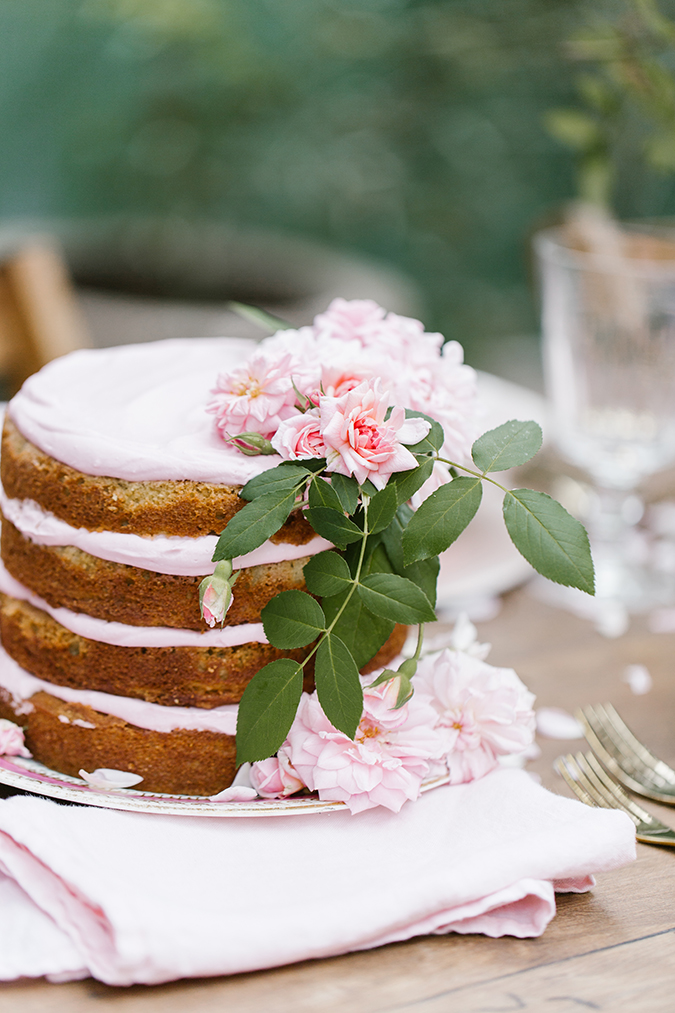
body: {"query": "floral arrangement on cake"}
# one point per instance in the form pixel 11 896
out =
pixel 374 424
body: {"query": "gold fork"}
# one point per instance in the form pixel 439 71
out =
pixel 593 785
pixel 626 757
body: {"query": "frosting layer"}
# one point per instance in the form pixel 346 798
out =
pixel 21 686
pixel 137 412
pixel 189 557
pixel 122 635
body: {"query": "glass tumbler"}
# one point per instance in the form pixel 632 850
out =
pixel 608 321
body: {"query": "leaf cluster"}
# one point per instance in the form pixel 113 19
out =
pixel 382 571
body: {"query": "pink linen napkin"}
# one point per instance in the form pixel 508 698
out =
pixel 129 897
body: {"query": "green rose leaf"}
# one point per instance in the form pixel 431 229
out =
pixel 369 489
pixel 327 574
pixel 338 686
pixel 362 632
pixel 507 446
pixel 334 526
pixel 321 494
pixel 382 508
pixel 267 710
pixel 347 490
pixel 253 525
pixel 425 572
pixel 434 439
pixel 408 482
pixel 292 619
pixel 552 541
pixel 441 519
pixel 393 535
pixel 279 478
pixel 395 598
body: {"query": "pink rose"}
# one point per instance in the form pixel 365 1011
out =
pixel 360 442
pixel 254 397
pixel 386 762
pixel 482 712
pixel 215 593
pixel 349 319
pixel 276 777
pixel 299 437
pixel 12 740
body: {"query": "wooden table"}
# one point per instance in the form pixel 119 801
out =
pixel 612 949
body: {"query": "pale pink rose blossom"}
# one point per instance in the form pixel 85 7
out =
pixel 446 389
pixel 360 442
pixel 384 765
pixel 349 319
pixel 215 605
pixel 406 338
pixel 482 712
pixel 215 593
pixel 12 740
pixel 276 777
pixel 299 437
pixel 254 397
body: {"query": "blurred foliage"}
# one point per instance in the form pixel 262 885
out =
pixel 407 129
pixel 627 102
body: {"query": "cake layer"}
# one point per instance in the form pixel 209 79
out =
pixel 103 503
pixel 204 677
pixel 70 737
pixel 123 635
pixel 20 686
pixel 69 578
pixel 175 555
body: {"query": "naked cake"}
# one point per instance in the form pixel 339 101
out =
pixel 115 486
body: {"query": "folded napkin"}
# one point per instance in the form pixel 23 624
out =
pixel 128 897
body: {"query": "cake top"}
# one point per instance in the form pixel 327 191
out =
pixel 137 412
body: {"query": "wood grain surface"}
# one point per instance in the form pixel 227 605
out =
pixel 612 949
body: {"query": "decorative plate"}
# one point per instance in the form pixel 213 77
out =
pixel 29 775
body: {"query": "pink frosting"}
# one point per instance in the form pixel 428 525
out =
pixel 121 635
pixel 190 557
pixel 21 686
pixel 137 412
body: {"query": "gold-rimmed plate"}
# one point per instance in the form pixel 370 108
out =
pixel 34 777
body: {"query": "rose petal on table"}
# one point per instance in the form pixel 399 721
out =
pixel 556 723
pixel 638 678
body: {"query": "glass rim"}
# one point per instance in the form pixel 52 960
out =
pixel 549 246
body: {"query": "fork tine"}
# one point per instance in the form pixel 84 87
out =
pixel 594 786
pixel 568 770
pixel 622 736
pixel 627 759
pixel 603 787
pixel 618 725
pixel 594 770
pixel 611 736
pixel 616 755
pixel 582 785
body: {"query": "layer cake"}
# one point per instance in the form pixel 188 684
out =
pixel 115 489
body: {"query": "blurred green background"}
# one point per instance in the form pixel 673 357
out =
pixel 407 130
